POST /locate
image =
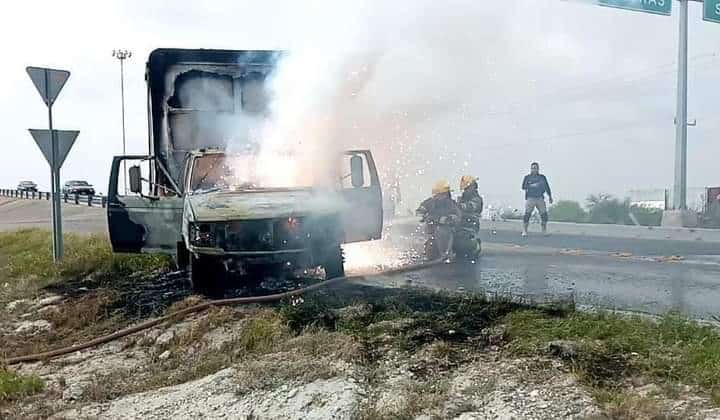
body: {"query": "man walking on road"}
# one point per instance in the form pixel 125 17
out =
pixel 536 186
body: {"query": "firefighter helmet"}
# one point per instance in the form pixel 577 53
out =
pixel 440 187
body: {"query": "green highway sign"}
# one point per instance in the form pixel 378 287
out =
pixel 712 11
pixel 658 7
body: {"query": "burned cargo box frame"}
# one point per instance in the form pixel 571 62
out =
pixel 177 127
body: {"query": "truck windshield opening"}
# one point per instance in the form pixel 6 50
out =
pixel 221 172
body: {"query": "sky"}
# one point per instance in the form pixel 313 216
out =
pixel 447 88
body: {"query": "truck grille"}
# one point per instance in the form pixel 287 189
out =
pixel 263 235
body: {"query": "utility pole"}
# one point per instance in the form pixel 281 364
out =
pixel 679 215
pixel 680 185
pixel 122 55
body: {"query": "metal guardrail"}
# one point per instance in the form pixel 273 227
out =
pixel 88 200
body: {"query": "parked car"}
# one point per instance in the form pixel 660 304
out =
pixel 78 187
pixel 27 186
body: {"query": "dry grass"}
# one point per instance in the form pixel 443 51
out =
pixel 272 370
pixel 415 398
pixel 320 342
pixel 72 322
pixel 622 406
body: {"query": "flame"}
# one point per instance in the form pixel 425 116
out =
pixel 372 257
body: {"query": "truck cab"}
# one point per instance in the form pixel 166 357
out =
pixel 209 203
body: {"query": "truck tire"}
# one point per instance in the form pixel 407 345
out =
pixel 334 262
pixel 207 276
pixel 182 258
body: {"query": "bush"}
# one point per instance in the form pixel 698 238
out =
pixel 567 211
pixel 605 209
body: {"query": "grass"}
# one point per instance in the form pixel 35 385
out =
pixel 27 268
pixel 613 347
pixel 14 386
pixel 26 260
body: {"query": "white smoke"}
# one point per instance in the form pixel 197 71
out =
pixel 312 114
pixel 439 90
pixel 389 79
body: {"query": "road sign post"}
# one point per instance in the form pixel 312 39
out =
pixel 54 144
pixel 711 11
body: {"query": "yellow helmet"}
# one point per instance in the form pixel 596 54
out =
pixel 466 181
pixel 440 187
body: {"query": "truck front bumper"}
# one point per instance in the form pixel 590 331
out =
pixel 292 258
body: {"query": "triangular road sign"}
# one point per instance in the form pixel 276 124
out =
pixel 49 82
pixel 65 140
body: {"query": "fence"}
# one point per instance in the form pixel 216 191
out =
pixel 89 200
pixel 663 198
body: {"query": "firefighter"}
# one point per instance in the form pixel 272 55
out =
pixel 440 214
pixel 470 204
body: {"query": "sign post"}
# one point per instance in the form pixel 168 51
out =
pixel 711 11
pixel 54 144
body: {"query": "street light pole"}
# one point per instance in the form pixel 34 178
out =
pixel 122 55
pixel 680 186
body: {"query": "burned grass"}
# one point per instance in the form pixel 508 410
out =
pixel 411 317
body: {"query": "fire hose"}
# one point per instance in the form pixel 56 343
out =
pixel 198 308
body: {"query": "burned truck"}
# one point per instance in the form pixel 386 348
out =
pixel 197 195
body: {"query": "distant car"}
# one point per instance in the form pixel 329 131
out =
pixel 78 187
pixel 27 186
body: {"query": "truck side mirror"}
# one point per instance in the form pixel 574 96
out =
pixel 135 179
pixel 356 171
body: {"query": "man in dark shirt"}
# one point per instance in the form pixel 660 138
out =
pixel 536 186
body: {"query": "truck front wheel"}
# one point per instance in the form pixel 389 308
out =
pixel 333 262
pixel 207 276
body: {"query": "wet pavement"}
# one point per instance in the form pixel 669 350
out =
pixel 630 274
pixel 588 280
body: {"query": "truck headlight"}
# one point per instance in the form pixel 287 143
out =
pixel 203 234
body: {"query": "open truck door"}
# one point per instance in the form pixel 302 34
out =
pixel 363 217
pixel 143 218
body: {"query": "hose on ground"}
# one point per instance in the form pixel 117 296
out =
pixel 197 308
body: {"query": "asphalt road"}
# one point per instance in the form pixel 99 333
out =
pixel 26 214
pixel 624 273
pixel 616 267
